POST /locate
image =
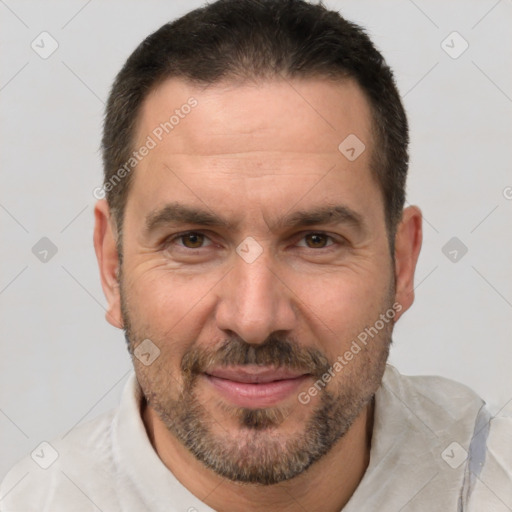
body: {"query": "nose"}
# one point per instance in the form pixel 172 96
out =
pixel 255 301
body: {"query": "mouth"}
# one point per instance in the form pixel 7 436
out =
pixel 255 387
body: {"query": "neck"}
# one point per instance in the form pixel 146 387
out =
pixel 327 485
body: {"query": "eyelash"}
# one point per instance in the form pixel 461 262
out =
pixel 177 236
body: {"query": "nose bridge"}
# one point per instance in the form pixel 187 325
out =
pixel 253 302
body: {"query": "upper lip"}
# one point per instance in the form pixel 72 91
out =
pixel 254 374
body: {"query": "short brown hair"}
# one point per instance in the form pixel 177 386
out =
pixel 251 39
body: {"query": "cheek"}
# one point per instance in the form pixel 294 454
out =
pixel 344 291
pixel 161 309
pixel 342 304
pixel 168 304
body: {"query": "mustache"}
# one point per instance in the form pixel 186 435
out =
pixel 274 351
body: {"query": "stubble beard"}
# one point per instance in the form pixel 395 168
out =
pixel 259 452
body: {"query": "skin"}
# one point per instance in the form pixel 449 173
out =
pixel 253 153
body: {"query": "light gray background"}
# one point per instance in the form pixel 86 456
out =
pixel 62 364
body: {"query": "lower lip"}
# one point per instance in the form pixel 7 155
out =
pixel 257 396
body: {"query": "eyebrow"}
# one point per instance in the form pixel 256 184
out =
pixel 178 213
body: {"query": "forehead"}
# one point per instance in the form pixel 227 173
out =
pixel 254 148
pixel 305 115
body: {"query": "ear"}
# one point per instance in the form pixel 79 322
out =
pixel 408 241
pixel 108 261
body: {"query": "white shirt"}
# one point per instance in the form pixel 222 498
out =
pixel 435 448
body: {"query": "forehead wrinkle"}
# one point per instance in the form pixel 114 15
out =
pixel 325 214
pixel 328 214
pixel 176 212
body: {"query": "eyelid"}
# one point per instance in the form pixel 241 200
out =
pixel 170 239
pixel 322 233
pixel 336 239
pixel 299 237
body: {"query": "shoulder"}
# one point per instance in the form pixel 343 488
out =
pixel 51 468
pixel 458 428
pixel 436 400
pixel 491 488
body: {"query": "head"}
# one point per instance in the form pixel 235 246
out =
pixel 255 157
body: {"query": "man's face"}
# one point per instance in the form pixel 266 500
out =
pixel 256 296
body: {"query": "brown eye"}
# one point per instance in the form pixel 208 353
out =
pixel 316 240
pixel 193 240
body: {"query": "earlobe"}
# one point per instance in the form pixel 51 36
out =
pixel 408 242
pixel 108 261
